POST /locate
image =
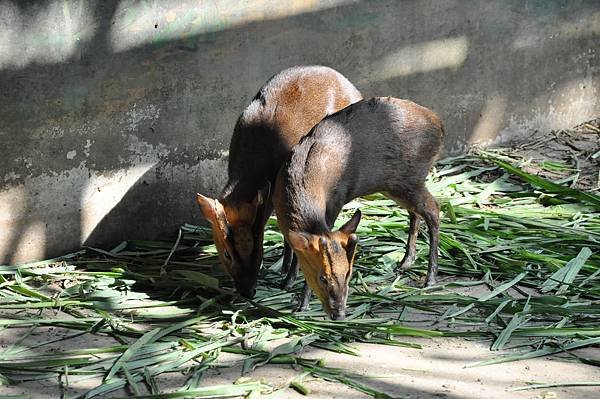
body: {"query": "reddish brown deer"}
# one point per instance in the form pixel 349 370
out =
pixel 283 111
pixel 379 145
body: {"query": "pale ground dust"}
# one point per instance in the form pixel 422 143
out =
pixel 436 371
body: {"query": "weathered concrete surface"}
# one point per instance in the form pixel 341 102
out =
pixel 114 113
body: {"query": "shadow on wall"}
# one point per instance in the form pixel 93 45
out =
pixel 113 121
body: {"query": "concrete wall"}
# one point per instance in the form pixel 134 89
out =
pixel 113 114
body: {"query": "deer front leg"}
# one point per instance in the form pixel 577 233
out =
pixel 290 267
pixel 305 298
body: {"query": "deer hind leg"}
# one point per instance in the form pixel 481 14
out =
pixel 411 243
pixel 422 204
pixel 431 213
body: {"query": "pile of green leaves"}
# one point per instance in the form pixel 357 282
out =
pixel 519 268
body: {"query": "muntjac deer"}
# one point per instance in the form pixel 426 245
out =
pixel 283 111
pixel 379 145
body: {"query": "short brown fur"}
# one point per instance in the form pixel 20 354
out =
pixel 379 145
pixel 284 110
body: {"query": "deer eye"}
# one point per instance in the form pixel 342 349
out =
pixel 322 279
pixel 226 255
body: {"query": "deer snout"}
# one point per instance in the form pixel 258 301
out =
pixel 247 292
pixel 247 278
pixel 337 311
pixel 338 314
pixel 246 288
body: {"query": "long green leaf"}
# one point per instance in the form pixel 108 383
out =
pixel 130 352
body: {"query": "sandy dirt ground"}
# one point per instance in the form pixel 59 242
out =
pixel 435 371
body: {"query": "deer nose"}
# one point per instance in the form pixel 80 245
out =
pixel 338 315
pixel 247 293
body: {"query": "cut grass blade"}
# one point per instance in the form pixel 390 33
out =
pixel 130 352
pixel 537 353
pixel 546 185
pixel 501 288
pixel 216 391
pixel 566 275
pixel 556 385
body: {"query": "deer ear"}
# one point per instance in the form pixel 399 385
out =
pixel 259 201
pixel 301 242
pixel 263 194
pixel 208 207
pixel 351 247
pixel 350 226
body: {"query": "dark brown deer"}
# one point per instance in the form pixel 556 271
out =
pixel 379 145
pixel 283 111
